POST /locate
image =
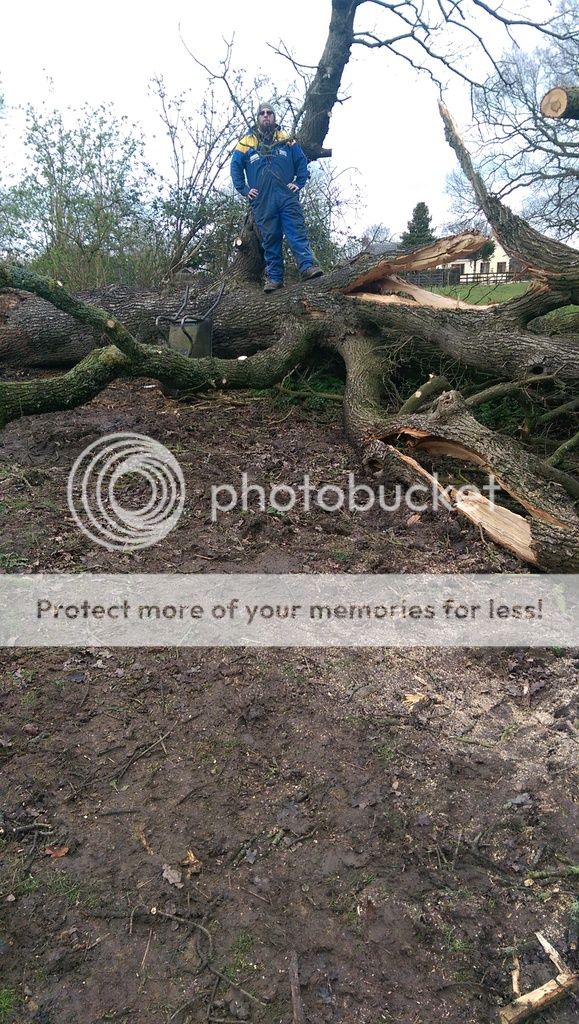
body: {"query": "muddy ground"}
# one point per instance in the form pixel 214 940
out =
pixel 174 823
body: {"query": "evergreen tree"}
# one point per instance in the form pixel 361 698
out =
pixel 418 230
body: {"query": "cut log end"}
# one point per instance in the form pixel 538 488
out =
pixel 561 102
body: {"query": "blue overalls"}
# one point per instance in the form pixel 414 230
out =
pixel 277 211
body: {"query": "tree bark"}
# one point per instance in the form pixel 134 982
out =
pixel 322 93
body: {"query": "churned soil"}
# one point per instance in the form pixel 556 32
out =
pixel 176 824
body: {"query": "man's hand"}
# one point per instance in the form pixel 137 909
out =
pixel 253 193
pixel 293 187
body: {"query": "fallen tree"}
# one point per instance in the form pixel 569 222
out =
pixel 367 314
pixel 376 322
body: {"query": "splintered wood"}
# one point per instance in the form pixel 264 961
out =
pixel 525 1006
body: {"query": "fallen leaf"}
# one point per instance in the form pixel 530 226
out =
pixel 192 864
pixel 56 851
pixel 172 876
pixel 140 835
pixel 415 518
pixel 412 699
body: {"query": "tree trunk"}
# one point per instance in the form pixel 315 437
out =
pixel 322 92
pixel 366 293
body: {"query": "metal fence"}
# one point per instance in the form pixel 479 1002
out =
pixel 488 278
pixel 452 276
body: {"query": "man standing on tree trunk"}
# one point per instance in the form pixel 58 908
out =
pixel 270 169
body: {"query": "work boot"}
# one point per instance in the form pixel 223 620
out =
pixel 310 272
pixel 272 286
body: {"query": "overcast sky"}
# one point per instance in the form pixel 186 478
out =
pixel 389 130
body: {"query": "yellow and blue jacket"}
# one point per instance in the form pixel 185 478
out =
pixel 256 164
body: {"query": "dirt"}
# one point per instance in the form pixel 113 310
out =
pixel 174 823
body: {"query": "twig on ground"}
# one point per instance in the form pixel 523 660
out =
pixel 564 872
pixel 211 1002
pixel 141 753
pixel 18 829
pixel 294 978
pixel 553 955
pixel 230 981
pixel 120 810
pixel 257 895
pixel 516 976
pixel 148 946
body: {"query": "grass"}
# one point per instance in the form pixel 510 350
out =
pixel 385 753
pixel 454 944
pixel 317 390
pixel 30 698
pixel 26 886
pixel 343 554
pixel 10 560
pixel 61 885
pixel 240 961
pixel 8 1001
pixel 483 294
pixel 14 505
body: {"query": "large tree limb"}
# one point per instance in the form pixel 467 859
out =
pixel 89 377
pixel 548 260
pixel 128 358
pixel 485 339
pixel 548 537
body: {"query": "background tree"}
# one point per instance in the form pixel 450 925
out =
pixel 375 237
pixel 79 212
pixel 89 210
pixel 195 209
pixel 485 252
pixel 418 230
pixel 520 149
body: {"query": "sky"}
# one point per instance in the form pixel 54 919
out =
pixel 388 132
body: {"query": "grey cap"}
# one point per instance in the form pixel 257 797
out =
pixel 265 103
